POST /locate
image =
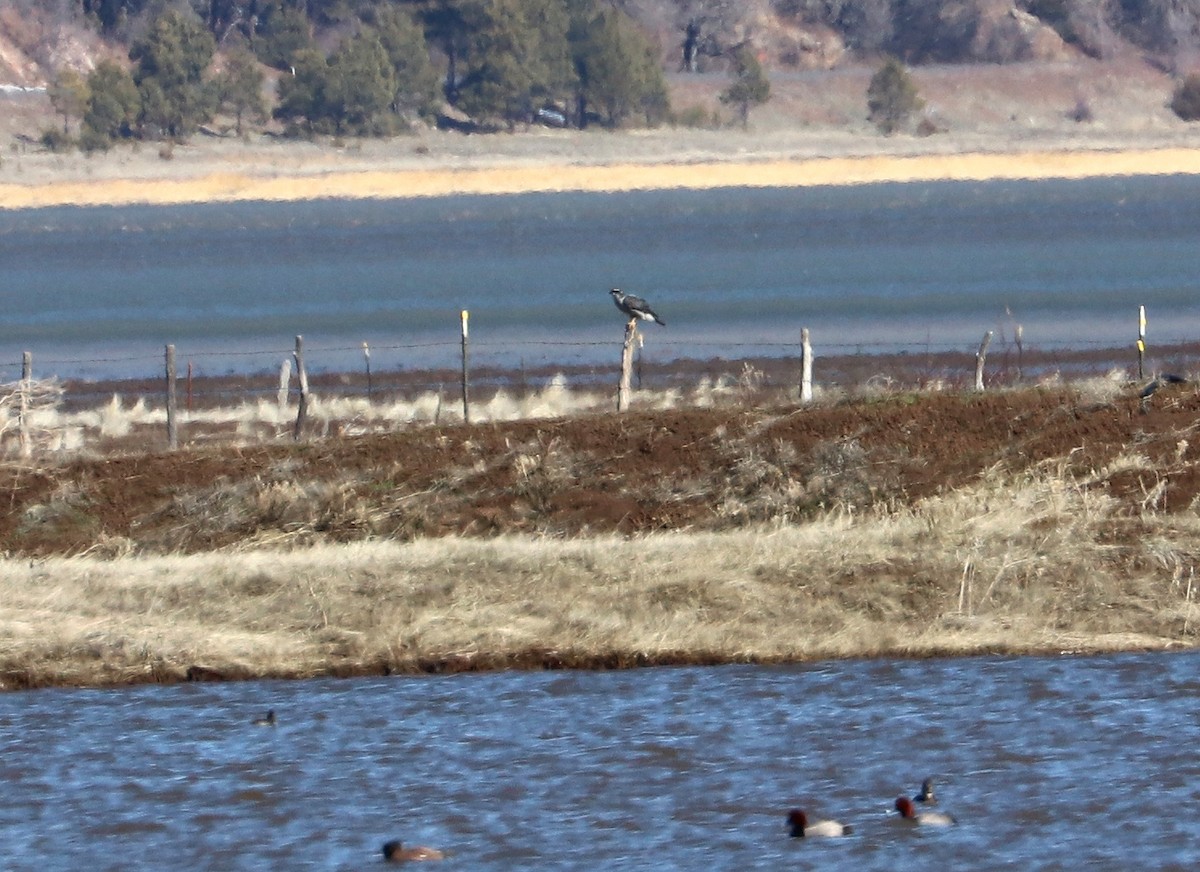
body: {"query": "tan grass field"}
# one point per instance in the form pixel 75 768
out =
pixel 1002 568
pixel 1031 521
pixel 801 172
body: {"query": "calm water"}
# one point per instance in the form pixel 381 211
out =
pixel 1049 763
pixel 734 272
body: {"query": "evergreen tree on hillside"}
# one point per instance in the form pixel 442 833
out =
pixel 447 28
pixel 283 31
pixel 301 94
pixel 616 65
pixel 240 88
pixel 1185 102
pixel 69 95
pixel 111 14
pixel 112 106
pixel 892 97
pixel 170 62
pixel 750 86
pixel 518 58
pixel 416 79
pixel 360 87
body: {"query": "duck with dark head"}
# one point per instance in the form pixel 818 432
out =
pixel 926 795
pixel 395 852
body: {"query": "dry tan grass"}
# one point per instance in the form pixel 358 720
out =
pixel 1050 161
pixel 60 433
pixel 1031 565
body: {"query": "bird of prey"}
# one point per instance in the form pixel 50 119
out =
pixel 635 307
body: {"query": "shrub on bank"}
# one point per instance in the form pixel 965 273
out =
pixel 1186 101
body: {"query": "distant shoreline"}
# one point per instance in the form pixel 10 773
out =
pixel 243 181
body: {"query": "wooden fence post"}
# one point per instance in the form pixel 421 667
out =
pixel 466 381
pixel 1141 343
pixel 367 357
pixel 806 361
pixel 302 376
pixel 172 425
pixel 641 347
pixel 285 379
pixel 1020 338
pixel 623 388
pixel 23 404
pixel 980 357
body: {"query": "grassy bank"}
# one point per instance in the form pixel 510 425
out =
pixel 1043 558
pixel 793 172
pixel 994 121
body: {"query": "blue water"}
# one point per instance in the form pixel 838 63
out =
pixel 1048 763
pixel 734 272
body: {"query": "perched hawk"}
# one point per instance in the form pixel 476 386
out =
pixel 635 307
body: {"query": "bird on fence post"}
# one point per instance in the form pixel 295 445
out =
pixel 635 307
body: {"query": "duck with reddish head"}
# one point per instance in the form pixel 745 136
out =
pixel 803 828
pixel 908 811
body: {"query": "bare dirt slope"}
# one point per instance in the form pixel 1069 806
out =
pixel 682 470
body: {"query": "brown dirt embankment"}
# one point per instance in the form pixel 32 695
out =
pixel 909 525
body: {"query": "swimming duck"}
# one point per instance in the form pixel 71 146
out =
pixel 268 721
pixel 801 828
pixel 394 852
pixel 926 794
pixel 909 812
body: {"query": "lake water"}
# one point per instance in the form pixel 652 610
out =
pixel 738 272
pixel 1048 763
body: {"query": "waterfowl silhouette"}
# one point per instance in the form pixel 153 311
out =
pixel 395 852
pixel 926 795
pixel 802 828
pixel 909 812
pixel 268 721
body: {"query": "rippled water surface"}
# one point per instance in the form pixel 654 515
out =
pixel 1048 763
pixel 734 272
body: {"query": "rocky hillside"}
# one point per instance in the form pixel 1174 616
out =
pixel 39 37
pixel 1007 68
pixel 35 43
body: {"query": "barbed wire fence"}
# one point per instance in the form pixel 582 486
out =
pixel 196 378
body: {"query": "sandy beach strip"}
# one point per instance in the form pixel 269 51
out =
pixel 237 185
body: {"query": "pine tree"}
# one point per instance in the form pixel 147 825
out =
pixel 750 85
pixel 170 64
pixel 69 95
pixel 892 97
pixel 1185 102
pixel 301 94
pixel 240 88
pixel 361 85
pixel 416 78
pixel 284 32
pixel 517 57
pixel 112 106
pixel 617 67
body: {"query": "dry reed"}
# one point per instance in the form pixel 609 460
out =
pixel 1025 565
